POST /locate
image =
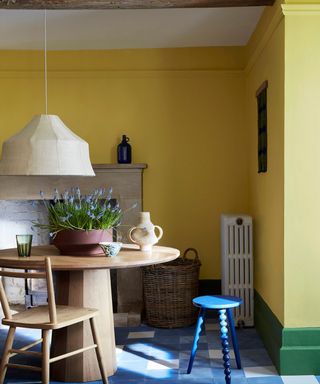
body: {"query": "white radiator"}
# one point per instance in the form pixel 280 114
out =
pixel 237 264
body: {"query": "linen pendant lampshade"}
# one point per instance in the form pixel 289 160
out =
pixel 46 147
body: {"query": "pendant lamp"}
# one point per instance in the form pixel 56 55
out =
pixel 45 146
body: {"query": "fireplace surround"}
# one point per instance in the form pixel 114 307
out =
pixel 20 205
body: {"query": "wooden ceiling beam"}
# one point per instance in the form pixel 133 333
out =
pixel 128 4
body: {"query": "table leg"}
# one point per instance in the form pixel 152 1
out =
pixel 92 289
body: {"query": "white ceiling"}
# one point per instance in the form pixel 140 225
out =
pixel 116 29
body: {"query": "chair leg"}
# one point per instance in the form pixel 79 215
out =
pixel 225 345
pixel 98 351
pixel 45 356
pixel 196 338
pixel 234 337
pixel 5 355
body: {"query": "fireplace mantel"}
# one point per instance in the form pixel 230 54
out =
pixel 29 187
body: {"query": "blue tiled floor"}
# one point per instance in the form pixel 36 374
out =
pixel 161 356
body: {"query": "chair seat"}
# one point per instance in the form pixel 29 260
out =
pixel 217 302
pixel 39 317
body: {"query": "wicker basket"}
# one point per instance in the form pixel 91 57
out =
pixel 168 292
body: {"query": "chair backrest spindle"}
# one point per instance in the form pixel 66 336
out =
pixel 50 288
pixel 4 302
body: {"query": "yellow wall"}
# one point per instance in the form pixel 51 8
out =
pixel 302 175
pixel 266 196
pixel 191 115
pixel 183 110
pixel 284 201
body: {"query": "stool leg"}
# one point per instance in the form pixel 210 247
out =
pixel 225 345
pixel 234 337
pixel 196 338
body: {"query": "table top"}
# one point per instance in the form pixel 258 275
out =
pixel 130 256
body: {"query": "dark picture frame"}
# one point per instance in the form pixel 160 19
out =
pixel 261 96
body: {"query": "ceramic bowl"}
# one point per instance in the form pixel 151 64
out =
pixel 110 249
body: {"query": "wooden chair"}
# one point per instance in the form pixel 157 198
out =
pixel 47 318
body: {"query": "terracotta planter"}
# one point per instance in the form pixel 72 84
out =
pixel 81 243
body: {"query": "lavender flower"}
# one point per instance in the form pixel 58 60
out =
pixel 71 199
pixel 88 199
pixel 55 195
pixel 78 193
pixel 99 215
pixel 77 212
pixel 65 196
pixel 109 194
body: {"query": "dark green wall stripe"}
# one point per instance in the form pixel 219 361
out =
pixel 269 328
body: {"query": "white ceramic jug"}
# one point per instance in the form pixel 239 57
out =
pixel 144 233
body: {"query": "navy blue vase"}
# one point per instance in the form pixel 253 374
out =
pixel 124 151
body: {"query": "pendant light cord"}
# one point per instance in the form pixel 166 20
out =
pixel 45 61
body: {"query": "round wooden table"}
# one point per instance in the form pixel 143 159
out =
pixel 85 282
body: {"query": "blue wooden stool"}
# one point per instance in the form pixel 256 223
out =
pixel 224 305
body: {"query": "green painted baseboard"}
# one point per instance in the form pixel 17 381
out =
pixel 300 351
pixel 294 351
pixel 269 328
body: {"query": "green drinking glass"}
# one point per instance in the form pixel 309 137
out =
pixel 24 245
